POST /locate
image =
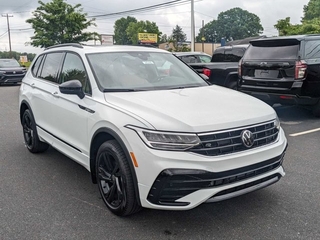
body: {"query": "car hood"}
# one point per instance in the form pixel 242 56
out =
pixel 198 109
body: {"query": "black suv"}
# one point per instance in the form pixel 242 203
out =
pixel 283 70
pixel 11 71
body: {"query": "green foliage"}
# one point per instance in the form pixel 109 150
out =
pixel 59 22
pixel 164 38
pixel 307 27
pixel 182 48
pixel 233 24
pixel 311 10
pixel 310 23
pixel 120 28
pixel 17 55
pixel 178 35
pixel 139 27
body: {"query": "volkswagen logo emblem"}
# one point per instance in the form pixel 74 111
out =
pixel 247 138
pixel 14 72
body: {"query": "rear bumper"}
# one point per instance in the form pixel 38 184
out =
pixel 284 99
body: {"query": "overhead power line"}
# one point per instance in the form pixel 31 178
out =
pixel 144 9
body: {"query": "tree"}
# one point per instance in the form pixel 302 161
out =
pixel 178 35
pixel 232 24
pixel 311 10
pixel 58 22
pixel 209 32
pixel 164 38
pixel 285 28
pixel 310 23
pixel 140 27
pixel 120 28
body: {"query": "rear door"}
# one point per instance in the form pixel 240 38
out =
pixel 269 66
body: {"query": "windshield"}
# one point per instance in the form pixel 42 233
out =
pixel 134 71
pixel 8 63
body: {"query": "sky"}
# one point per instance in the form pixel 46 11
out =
pixel 269 11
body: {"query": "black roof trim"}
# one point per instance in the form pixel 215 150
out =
pixel 77 45
pixel 292 37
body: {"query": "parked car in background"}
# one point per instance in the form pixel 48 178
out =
pixel 11 72
pixel 150 137
pixel 223 68
pixel 193 57
pixel 283 70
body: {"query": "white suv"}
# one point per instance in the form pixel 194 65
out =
pixel 151 137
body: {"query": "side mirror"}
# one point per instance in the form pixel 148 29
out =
pixel 73 87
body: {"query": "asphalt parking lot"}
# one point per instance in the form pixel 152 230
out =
pixel 48 196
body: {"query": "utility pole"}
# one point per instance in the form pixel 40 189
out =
pixel 192 26
pixel 202 35
pixel 7 16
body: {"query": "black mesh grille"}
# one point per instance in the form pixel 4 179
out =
pixel 220 143
pixel 172 184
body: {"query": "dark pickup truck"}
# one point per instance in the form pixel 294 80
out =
pixel 223 68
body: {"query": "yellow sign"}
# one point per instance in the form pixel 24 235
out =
pixel 148 37
pixel 23 59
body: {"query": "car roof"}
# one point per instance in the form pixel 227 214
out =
pixel 292 37
pixel 102 48
pixel 235 46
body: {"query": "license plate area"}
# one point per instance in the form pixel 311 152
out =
pixel 266 74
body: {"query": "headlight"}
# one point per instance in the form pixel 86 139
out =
pixel 277 123
pixel 167 140
pixel 2 72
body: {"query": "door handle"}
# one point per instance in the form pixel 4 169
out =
pixel 55 94
pixel 33 85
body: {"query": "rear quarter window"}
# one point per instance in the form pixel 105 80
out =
pixel 312 49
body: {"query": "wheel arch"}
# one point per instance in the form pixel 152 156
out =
pixel 99 137
pixel 231 78
pixel 24 105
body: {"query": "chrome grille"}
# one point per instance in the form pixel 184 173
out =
pixel 229 141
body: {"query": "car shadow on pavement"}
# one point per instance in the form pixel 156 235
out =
pixel 293 113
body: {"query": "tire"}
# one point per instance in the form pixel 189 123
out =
pixel 30 134
pixel 115 179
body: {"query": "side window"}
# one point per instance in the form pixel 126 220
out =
pixel 205 59
pixel 189 59
pixel 218 55
pixel 36 65
pixel 238 53
pixel 233 55
pixel 312 49
pixel 51 67
pixel 73 69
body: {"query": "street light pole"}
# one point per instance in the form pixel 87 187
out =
pixel 192 26
pixel 7 16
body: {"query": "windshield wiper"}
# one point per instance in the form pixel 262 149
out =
pixel 182 87
pixel 122 90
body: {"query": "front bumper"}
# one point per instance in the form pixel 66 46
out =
pixel 171 180
pixel 11 78
pixel 174 184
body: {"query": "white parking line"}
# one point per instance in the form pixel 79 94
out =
pixel 305 132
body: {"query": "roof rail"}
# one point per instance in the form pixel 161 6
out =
pixel 78 45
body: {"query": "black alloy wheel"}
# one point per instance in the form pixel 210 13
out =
pixel 114 179
pixel 30 134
